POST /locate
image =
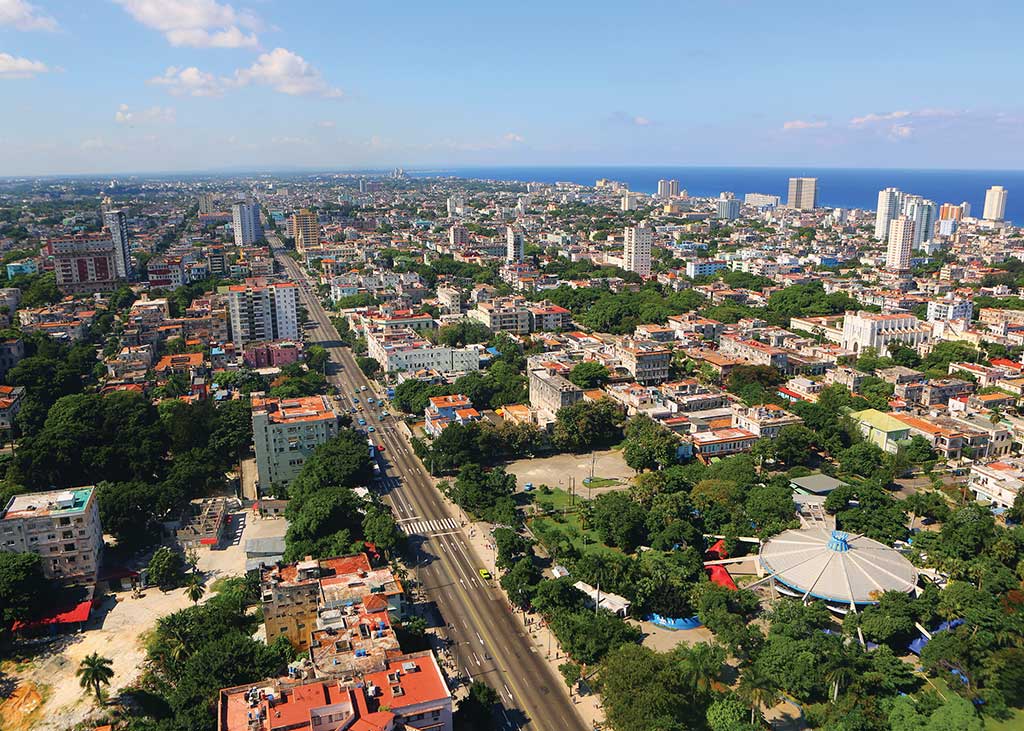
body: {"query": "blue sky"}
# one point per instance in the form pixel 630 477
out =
pixel 163 85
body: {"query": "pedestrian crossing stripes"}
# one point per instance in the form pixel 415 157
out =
pixel 425 527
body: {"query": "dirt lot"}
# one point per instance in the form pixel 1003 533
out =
pixel 556 471
pixel 45 693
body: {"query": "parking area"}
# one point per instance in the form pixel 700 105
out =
pixel 609 469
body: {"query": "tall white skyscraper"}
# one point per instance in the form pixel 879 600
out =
pixel 890 205
pixel 803 194
pixel 995 203
pixel 514 248
pixel 259 311
pixel 923 213
pixel 456 205
pixel 245 220
pixel 117 223
pixel 668 188
pixel 728 207
pixel 637 249
pixel 901 241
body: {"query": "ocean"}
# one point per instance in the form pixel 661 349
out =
pixel 837 187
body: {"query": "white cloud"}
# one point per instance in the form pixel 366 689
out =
pixel 125 115
pixel 873 118
pixel 190 82
pixel 197 23
pixel 513 137
pixel 288 73
pixel 901 131
pixel 24 16
pixel 803 124
pixel 14 67
pixel 641 121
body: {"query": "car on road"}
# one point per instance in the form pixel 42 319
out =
pixel 355 400
pixel 383 414
pixel 371 428
pixel 485 574
pixel 362 388
pixel 353 410
pixel 370 400
pixel 380 447
pixel 362 422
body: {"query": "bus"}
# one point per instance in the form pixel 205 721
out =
pixel 373 448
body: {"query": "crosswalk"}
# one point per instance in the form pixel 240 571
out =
pixel 426 527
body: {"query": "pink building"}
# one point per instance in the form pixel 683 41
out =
pixel 273 354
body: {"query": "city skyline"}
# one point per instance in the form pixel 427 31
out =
pixel 195 85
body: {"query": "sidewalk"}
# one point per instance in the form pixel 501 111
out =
pixel 589 706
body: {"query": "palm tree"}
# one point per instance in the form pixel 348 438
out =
pixel 195 589
pixel 839 675
pixel 95 671
pixel 759 690
pixel 703 666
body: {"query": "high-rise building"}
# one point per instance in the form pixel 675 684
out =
pixel 951 212
pixel 514 247
pixel 260 311
pixel 890 205
pixel 458 237
pixel 83 263
pixel 901 242
pixel 456 205
pixel 630 201
pixel 668 188
pixel 207 203
pixel 762 200
pixel 245 221
pixel 803 194
pixel 728 207
pixel 306 230
pixel 117 223
pixel 923 213
pixel 637 249
pixel 995 203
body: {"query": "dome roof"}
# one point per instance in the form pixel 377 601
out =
pixel 835 566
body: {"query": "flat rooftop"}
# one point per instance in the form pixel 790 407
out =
pixel 51 502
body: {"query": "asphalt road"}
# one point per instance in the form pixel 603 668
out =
pixel 486 642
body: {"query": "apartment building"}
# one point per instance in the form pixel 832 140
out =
pixel 12 352
pixel 260 311
pixel 648 362
pixel 245 223
pixel 285 433
pixel 504 314
pixel 62 527
pixel 997 483
pixel 950 308
pixel 404 350
pixel 722 442
pixel 869 330
pixel 10 405
pixel 764 420
pixel 306 230
pixel 408 692
pixel 84 262
pixel 754 351
pixel 445 410
pixel 550 392
pixel 704 267
pixel 549 318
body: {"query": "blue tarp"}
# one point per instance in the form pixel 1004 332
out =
pixel 674 622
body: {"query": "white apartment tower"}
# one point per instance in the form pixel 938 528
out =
pixel 901 242
pixel 637 250
pixel 803 194
pixel 260 312
pixel 117 223
pixel 923 213
pixel 668 188
pixel 995 203
pixel 514 247
pixel 890 204
pixel 245 221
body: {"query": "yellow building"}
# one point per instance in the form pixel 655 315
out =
pixel 307 230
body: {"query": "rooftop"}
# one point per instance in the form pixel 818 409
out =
pixel 50 502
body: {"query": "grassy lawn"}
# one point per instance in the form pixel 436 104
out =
pixel 570 529
pixel 602 482
pixel 558 500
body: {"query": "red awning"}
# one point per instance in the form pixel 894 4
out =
pixel 66 615
pixel 721 577
pixel 209 541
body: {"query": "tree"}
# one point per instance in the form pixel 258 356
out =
pixel 165 568
pixel 316 358
pixel 343 461
pixel 589 374
pixel 863 458
pixel 587 425
pixel 571 674
pixel 521 581
pixel 195 590
pixel 758 689
pixel 368 366
pixel 510 547
pixel 24 589
pixel 380 529
pixel 324 524
pixel 792 446
pixel 93 672
pixel 648 445
pixel 620 521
